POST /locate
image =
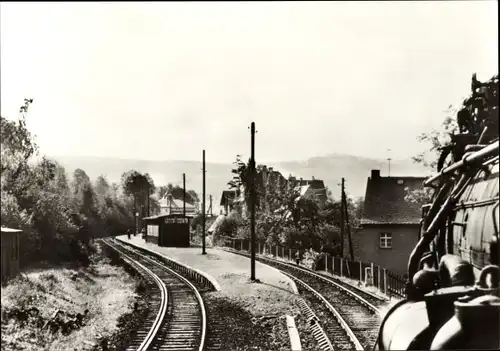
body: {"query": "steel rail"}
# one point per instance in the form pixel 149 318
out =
pixel 164 300
pixel 188 283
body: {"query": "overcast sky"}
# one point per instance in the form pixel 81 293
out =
pixel 166 80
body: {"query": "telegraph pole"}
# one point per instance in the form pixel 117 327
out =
pixel 342 221
pixel 203 208
pixel 351 249
pixel 210 207
pixel 184 187
pixel 252 202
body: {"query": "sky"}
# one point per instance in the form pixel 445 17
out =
pixel 166 80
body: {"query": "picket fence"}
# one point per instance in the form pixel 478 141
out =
pixel 369 274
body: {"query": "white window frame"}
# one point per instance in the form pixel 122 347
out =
pixel 385 240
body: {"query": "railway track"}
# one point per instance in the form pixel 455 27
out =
pixel 178 317
pixel 357 313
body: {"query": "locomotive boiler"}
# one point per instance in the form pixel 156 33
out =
pixel 453 299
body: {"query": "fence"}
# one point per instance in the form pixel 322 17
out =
pixel 369 274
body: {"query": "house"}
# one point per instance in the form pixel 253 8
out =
pixel 227 201
pixel 10 253
pixel 390 225
pixel 313 189
pixel 169 206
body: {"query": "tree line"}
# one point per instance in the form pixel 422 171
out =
pixel 60 215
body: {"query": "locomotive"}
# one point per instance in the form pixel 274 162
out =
pixel 452 294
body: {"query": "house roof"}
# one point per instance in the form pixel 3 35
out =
pixel 313 183
pixel 385 200
pixel 166 215
pixel 10 230
pixel 227 195
pixel 176 203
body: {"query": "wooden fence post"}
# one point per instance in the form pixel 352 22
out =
pixel 277 247
pixel 258 245
pixel 333 264
pixel 289 254
pixel 385 281
pixel 283 252
pixel 326 263
pixel 360 271
pixel 379 279
pixel 373 274
pixel 341 264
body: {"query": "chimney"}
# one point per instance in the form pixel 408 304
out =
pixel 270 169
pixel 169 199
pixel 375 173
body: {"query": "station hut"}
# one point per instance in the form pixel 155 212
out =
pixel 10 252
pixel 168 230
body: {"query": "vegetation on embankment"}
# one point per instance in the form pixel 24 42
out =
pixel 61 214
pixel 95 303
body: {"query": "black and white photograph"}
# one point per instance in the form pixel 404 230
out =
pixel 249 175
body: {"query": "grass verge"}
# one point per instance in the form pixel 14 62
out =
pixel 66 308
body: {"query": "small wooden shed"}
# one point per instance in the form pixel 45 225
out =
pixel 168 230
pixel 10 252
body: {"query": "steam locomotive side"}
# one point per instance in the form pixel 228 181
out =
pixel 453 299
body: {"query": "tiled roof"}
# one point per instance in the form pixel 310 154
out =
pixel 385 201
pixel 313 183
pixel 227 195
pixel 176 203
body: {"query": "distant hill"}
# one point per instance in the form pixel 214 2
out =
pixel 330 168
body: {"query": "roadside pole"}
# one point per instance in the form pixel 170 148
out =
pixel 252 202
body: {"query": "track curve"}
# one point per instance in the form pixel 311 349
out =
pixel 180 323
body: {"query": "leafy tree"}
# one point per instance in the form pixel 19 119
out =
pixel 162 190
pixel 140 187
pixel 242 179
pixel 177 192
pixel 58 218
pixel 436 139
pixel 17 144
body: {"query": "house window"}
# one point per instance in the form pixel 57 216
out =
pixel 385 240
pixel 401 181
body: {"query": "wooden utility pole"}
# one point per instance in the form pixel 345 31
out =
pixel 346 212
pixel 210 207
pixel 149 199
pixel 342 220
pixel 184 198
pixel 252 201
pixel 203 252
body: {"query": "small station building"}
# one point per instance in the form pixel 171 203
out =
pixel 10 252
pixel 168 230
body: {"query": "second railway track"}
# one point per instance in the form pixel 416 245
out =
pixel 359 311
pixel 178 319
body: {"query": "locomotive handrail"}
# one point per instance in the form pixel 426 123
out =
pixel 471 158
